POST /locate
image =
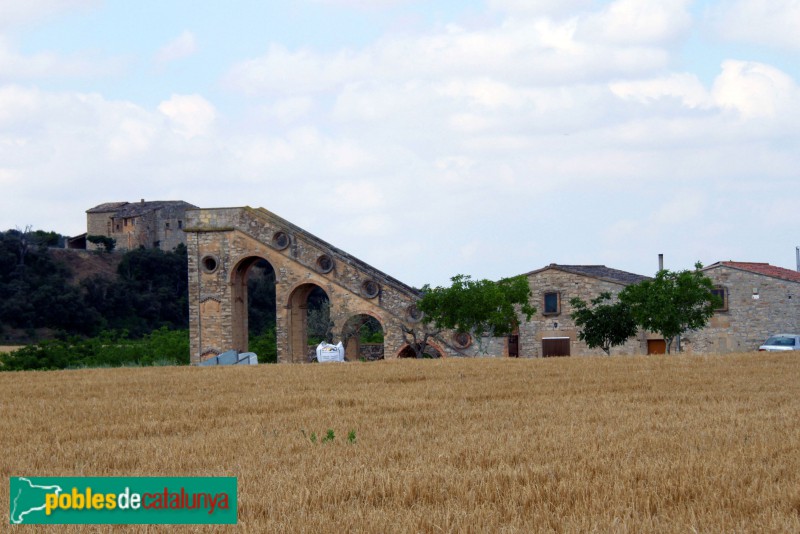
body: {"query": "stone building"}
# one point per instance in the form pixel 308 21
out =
pixel 149 224
pixel 759 300
pixel 551 331
pixel 225 243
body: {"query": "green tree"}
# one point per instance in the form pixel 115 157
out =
pixel 604 325
pixel 478 307
pixel 108 243
pixel 672 302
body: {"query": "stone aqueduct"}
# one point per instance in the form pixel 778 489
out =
pixel 224 243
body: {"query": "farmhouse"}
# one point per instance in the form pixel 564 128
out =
pixel 149 224
pixel 551 331
pixel 759 300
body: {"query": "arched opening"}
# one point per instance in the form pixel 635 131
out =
pixel 430 352
pixel 254 313
pixel 309 321
pixel 362 337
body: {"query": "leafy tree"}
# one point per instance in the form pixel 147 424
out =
pixel 265 345
pixel 261 299
pixel 672 302
pixel 604 325
pixel 108 243
pixel 478 307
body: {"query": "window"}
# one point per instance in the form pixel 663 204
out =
pixel 722 294
pixel 166 225
pixel 126 222
pixel 180 225
pixel 552 303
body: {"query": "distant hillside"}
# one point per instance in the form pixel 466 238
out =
pixel 83 264
pixel 50 292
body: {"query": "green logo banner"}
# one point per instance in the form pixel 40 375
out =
pixel 122 500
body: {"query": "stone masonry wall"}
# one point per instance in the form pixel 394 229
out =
pixel 748 321
pixel 568 285
pixel 230 239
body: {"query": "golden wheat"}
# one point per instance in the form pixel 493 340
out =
pixel 623 444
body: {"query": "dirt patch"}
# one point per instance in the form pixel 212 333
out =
pixel 85 263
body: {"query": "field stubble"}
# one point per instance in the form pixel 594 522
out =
pixel 623 444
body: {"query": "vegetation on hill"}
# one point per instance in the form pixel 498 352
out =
pixel 149 292
pixel 139 316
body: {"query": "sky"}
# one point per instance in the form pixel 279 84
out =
pixel 427 138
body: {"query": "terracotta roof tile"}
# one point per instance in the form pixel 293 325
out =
pixel 762 268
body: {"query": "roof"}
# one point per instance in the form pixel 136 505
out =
pixel 107 207
pixel 134 209
pixel 759 268
pixel 598 271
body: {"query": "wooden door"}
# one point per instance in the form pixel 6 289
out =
pixel 555 346
pixel 513 346
pixel 656 346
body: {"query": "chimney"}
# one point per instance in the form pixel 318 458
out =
pixel 142 201
pixel 797 253
pixel 660 262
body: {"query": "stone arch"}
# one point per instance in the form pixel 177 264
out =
pixel 407 352
pixel 297 307
pixel 353 342
pixel 225 243
pixel 239 314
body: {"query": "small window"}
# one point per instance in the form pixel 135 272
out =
pixel 180 225
pixel 722 294
pixel 126 222
pixel 552 303
pixel 118 228
pixel 166 225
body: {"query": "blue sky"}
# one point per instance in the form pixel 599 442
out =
pixel 428 138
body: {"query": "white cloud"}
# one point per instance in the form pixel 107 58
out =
pixel 764 22
pixel 48 65
pixel 540 51
pixel 540 7
pixel 639 21
pixel 684 87
pixel 756 90
pixel 190 115
pixel 182 46
pixel 16 12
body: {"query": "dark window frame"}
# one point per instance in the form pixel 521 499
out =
pixel 724 291
pixel 558 303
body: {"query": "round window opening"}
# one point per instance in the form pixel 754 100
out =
pixel 280 240
pixel 370 289
pixel 414 313
pixel 209 263
pixel 462 340
pixel 325 264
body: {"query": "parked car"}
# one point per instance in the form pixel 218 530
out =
pixel 781 342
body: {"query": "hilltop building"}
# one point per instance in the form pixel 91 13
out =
pixel 149 224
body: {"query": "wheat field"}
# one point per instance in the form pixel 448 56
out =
pixel 621 444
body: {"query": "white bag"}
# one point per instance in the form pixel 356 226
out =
pixel 330 353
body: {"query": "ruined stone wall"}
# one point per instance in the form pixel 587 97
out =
pixel 168 227
pixel 223 243
pixel 568 286
pixel 162 227
pixel 748 321
pixel 97 224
